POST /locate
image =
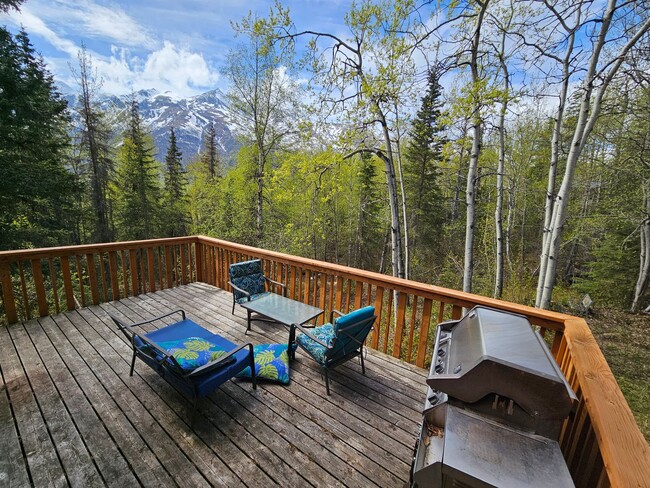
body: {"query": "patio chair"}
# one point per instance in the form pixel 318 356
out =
pixel 189 357
pixel 248 282
pixel 336 342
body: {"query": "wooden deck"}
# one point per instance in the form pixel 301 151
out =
pixel 71 415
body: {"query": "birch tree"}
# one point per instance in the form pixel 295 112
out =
pixel 262 96
pixel 363 75
pixel 613 34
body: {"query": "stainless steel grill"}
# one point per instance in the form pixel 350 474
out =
pixel 496 402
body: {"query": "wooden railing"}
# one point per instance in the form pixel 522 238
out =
pixel 600 441
pixel 38 282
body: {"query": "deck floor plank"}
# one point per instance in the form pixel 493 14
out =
pixel 65 388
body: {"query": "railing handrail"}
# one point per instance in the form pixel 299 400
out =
pixel 46 252
pixel 460 298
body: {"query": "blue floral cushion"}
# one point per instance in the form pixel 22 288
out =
pixel 192 352
pixel 323 333
pixel 248 276
pixel 271 363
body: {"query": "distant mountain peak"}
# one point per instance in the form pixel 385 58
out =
pixel 188 116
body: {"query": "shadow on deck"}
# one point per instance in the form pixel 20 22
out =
pixel 71 415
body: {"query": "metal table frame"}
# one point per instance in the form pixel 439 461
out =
pixel 278 309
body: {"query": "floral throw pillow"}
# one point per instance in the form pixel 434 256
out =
pixel 192 352
pixel 271 363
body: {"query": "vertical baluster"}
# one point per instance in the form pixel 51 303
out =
pixel 80 277
pixel 358 295
pixel 67 282
pixel 112 268
pixel 143 274
pixel 424 332
pixel 348 297
pixel 39 285
pixel 456 312
pixel 321 296
pixel 414 309
pixel 23 289
pixel 330 302
pixel 133 270
pixel 8 298
pixel 168 266
pixel 389 319
pixel 339 293
pixel 92 277
pixel 379 307
pixel 306 285
pixel 441 312
pixel 55 292
pixel 399 325
pixel 125 281
pixel 102 272
pixel 183 265
pixel 292 282
pixel 151 266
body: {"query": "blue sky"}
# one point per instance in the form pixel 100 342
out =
pixel 170 45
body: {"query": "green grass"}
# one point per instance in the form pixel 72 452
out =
pixel 624 339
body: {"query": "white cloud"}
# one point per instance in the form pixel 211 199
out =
pixel 34 25
pixel 174 69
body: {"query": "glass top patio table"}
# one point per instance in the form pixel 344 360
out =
pixel 282 309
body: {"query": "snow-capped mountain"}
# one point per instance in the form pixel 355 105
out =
pixel 188 116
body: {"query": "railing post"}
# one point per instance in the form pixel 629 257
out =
pixel 198 258
pixel 8 292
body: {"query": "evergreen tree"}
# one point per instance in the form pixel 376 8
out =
pixel 370 228
pixel 210 155
pixel 423 157
pixel 174 197
pixel 36 189
pixel 137 187
pixel 95 147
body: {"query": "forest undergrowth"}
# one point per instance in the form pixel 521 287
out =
pixel 623 338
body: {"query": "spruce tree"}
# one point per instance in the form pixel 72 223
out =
pixel 137 188
pixel 210 156
pixel 174 198
pixel 369 230
pixel 423 156
pixel 96 151
pixel 36 189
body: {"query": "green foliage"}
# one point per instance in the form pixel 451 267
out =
pixel 137 183
pixel 36 189
pixel 174 201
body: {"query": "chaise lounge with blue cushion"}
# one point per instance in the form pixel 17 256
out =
pixel 189 357
pixel 248 282
pixel 336 342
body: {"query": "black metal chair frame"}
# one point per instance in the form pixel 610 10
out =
pixel 167 363
pixel 324 368
pixel 268 281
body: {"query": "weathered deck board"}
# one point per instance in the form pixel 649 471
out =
pixel 70 415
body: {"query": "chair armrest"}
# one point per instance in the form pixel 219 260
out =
pixel 222 361
pixel 282 285
pixel 248 295
pixel 339 313
pixel 292 332
pixel 121 325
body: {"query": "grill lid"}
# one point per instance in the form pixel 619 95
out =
pixel 491 351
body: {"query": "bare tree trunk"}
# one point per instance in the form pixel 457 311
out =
pixel 470 197
pixel 498 211
pixel 644 257
pixel 391 180
pixel 555 155
pixel 407 247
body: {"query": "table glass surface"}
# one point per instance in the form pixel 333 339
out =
pixel 282 309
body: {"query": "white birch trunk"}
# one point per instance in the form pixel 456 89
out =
pixel 470 195
pixel 552 171
pixel 644 257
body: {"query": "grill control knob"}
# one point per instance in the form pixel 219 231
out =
pixel 439 368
